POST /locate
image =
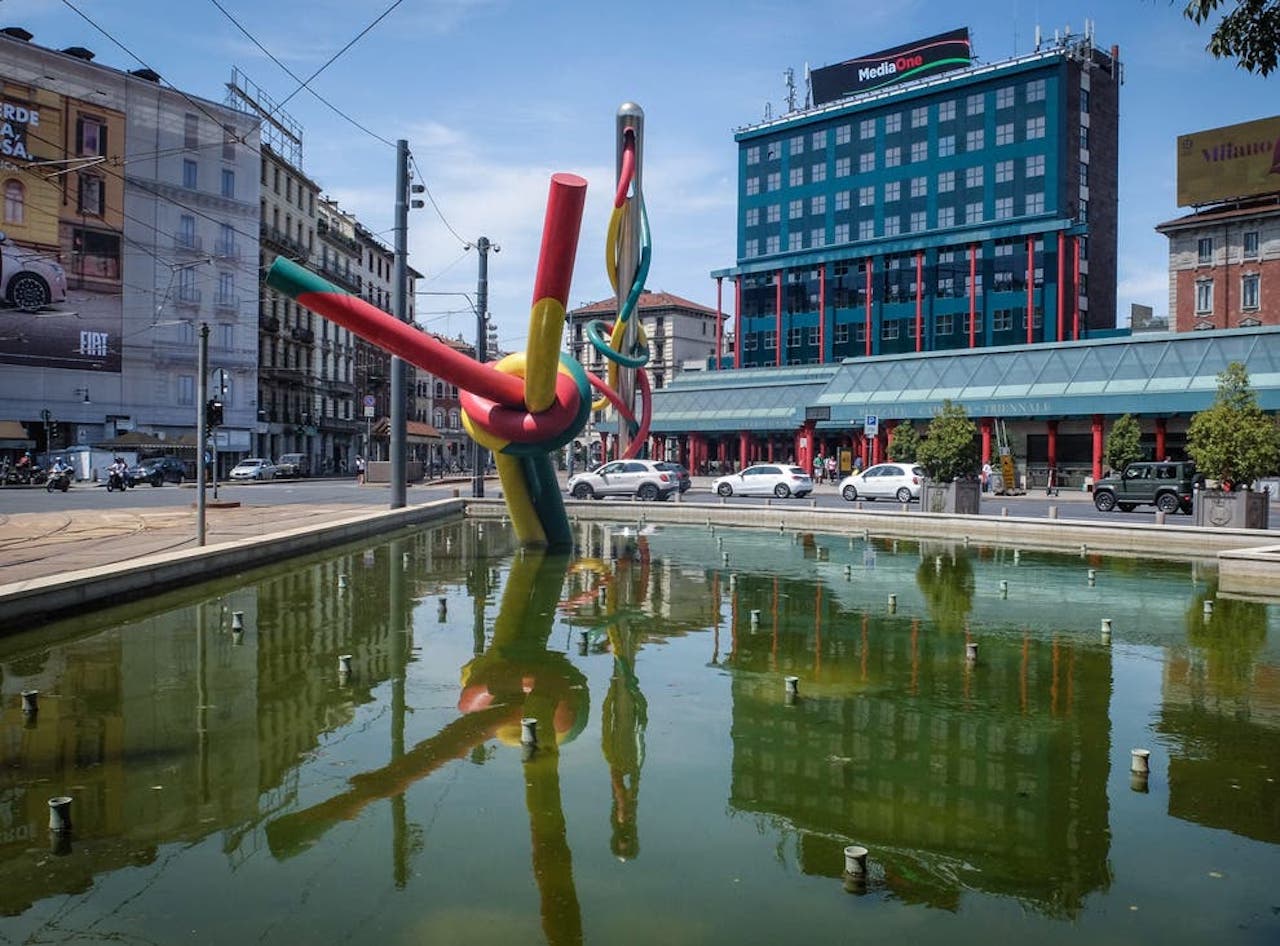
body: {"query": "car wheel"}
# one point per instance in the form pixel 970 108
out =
pixel 648 492
pixel 1167 503
pixel 724 489
pixel 904 494
pixel 29 292
pixel 1125 507
pixel 582 491
pixel 156 480
pixel 849 493
pixel 781 491
pixel 1104 501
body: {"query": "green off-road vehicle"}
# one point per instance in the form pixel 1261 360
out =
pixel 1167 486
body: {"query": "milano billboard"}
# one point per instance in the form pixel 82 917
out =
pixel 1233 161
pixel 61 286
pixel 924 57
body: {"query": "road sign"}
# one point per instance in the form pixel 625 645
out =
pixel 370 400
pixel 871 426
pixel 368 410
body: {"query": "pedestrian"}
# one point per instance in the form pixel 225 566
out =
pixel 817 468
pixel 986 477
pixel 831 469
pixel 359 471
pixel 857 464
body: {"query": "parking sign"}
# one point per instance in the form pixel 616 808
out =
pixel 871 426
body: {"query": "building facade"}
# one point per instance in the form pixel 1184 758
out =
pixel 972 209
pixel 154 223
pixel 1224 266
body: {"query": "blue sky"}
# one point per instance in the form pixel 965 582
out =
pixel 496 95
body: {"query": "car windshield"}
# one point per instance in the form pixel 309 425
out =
pixel 796 471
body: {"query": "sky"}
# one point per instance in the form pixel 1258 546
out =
pixel 494 96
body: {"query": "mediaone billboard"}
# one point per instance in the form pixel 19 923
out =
pixel 940 53
pixel 62 219
pixel 1232 161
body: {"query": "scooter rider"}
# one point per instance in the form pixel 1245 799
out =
pixel 115 473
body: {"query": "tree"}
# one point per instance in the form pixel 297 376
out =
pixel 1249 33
pixel 1234 440
pixel 1124 443
pixel 904 445
pixel 950 449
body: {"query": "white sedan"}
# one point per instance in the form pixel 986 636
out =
pixel 900 481
pixel 765 479
pixel 253 468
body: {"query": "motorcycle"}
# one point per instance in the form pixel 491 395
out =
pixel 115 481
pixel 58 479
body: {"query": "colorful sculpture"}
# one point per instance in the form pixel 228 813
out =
pixel 529 404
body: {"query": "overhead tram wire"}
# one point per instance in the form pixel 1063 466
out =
pixel 422 179
pixel 302 83
pixel 194 102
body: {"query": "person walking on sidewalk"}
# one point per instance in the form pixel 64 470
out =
pixel 359 471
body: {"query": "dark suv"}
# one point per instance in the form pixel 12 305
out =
pixel 1167 486
pixel 156 470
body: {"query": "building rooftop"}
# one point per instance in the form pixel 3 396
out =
pixel 1268 204
pixel 648 300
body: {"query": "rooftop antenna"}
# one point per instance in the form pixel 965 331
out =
pixel 808 87
pixel 768 111
pixel 790 77
pixel 1037 37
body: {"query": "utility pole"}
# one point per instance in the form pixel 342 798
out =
pixel 479 454
pixel 400 302
pixel 202 430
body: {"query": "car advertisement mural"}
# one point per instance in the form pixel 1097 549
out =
pixel 61 230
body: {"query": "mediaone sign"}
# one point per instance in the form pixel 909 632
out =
pixel 1232 161
pixel 940 53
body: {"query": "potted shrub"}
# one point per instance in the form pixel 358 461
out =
pixel 950 458
pixel 1233 443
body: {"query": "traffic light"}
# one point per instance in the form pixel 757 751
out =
pixel 213 412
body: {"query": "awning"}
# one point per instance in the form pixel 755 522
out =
pixel 132 440
pixel 13 436
pixel 415 431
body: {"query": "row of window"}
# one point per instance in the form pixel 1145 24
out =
pixel 1205 246
pixel 191 136
pixel 191 177
pixel 892 225
pixel 974 141
pixel 1250 293
pixel 891 123
pixel 1002 320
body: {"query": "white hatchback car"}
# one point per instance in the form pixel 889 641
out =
pixel 765 479
pixel 900 481
pixel 253 468
pixel 644 479
pixel 29 280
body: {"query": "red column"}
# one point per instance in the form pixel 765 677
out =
pixel 604 447
pixel 1062 268
pixel 742 449
pixel 986 439
pixel 869 293
pixel 771 448
pixel 1097 447
pixel 739 331
pixel 919 300
pixel 1052 427
pixel 777 314
pixel 719 319
pixel 805 453
pixel 822 314
pixel 1031 287
pixel 1162 430
pixel 1075 290
pixel 973 294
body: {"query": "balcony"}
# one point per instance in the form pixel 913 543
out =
pixel 226 249
pixel 188 243
pixel 303 335
pixel 290 376
pixel 270 324
pixel 227 305
pixel 343 279
pixel 187 296
pixel 337 238
pixel 281 240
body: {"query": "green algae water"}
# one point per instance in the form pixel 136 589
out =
pixel 237 786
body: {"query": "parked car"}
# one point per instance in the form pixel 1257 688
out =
pixel 766 479
pixel 900 481
pixel 678 471
pixel 1167 485
pixel 293 464
pixel 156 470
pixel 640 478
pixel 253 468
pixel 29 280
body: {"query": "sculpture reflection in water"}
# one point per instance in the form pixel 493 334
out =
pixel 515 677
